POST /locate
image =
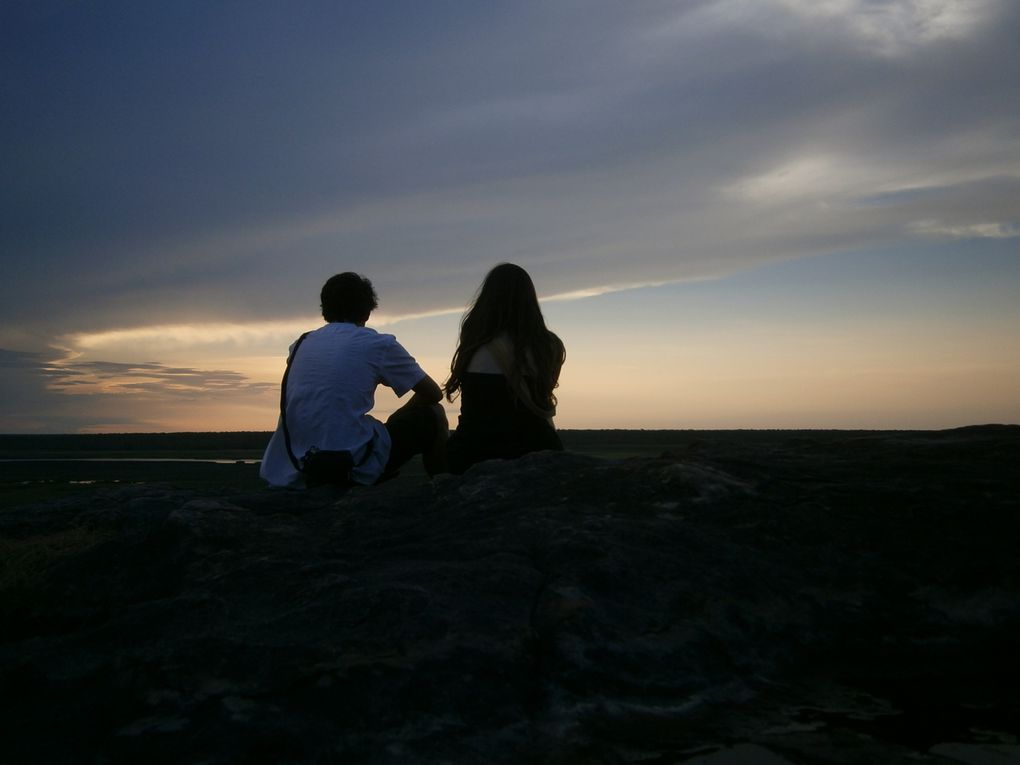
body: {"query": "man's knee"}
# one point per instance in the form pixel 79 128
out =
pixel 442 423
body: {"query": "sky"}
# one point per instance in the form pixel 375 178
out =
pixel 737 213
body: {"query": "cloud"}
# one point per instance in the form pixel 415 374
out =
pixel 18 359
pixel 46 393
pixel 128 379
pixel 167 338
pixel 886 29
pixel 986 230
pixel 193 176
pixel 897 27
pixel 26 404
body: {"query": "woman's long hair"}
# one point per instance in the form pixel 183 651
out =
pixel 506 305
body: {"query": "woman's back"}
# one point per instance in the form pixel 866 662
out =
pixel 495 421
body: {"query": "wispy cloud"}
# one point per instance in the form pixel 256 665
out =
pixel 969 231
pixel 888 29
pixel 163 338
pixel 48 392
pixel 118 378
pixel 898 27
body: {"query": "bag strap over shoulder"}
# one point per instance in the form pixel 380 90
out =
pixel 283 413
pixel 283 403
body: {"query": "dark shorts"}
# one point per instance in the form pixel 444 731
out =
pixel 413 430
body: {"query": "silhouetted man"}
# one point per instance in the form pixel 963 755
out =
pixel 325 432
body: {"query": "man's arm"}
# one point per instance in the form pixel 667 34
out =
pixel 426 392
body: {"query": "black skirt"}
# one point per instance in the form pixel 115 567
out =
pixel 493 424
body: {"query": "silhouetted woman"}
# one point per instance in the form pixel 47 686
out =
pixel 505 369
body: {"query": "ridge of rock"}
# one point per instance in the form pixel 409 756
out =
pixel 796 604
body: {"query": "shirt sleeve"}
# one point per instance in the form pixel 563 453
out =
pixel 397 368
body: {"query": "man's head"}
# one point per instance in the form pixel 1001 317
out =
pixel 348 297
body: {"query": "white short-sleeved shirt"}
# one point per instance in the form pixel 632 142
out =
pixel 330 392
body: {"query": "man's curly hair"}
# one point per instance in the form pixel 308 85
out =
pixel 348 297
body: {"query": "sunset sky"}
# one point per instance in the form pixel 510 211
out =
pixel 738 213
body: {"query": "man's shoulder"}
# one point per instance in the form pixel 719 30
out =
pixel 352 330
pixel 370 340
pixel 378 338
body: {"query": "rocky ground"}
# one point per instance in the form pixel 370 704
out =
pixel 795 598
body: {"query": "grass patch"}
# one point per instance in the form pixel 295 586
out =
pixel 29 493
pixel 24 561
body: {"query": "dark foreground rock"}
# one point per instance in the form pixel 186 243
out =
pixel 798 598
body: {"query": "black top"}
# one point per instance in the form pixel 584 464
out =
pixel 494 425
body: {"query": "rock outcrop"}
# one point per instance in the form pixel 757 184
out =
pixel 853 598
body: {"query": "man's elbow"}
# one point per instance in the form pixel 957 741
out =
pixel 428 391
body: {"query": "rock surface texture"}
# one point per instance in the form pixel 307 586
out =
pixel 836 598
